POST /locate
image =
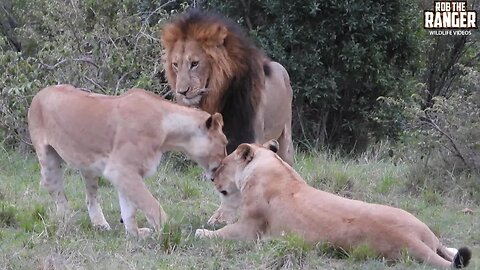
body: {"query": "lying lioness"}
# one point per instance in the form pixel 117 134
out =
pixel 122 138
pixel 275 200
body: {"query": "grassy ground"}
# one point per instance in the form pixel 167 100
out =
pixel 30 237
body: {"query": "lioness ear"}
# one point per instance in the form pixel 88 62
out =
pixel 245 152
pixel 214 121
pixel 272 145
pixel 209 122
pixel 217 119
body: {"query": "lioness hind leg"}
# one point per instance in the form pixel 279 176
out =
pixel 94 209
pixel 421 252
pixel 52 177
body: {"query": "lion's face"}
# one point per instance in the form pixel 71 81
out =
pixel 191 67
pixel 231 169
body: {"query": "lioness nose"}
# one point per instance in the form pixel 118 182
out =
pixel 183 91
pixel 214 170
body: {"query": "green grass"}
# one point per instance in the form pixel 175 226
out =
pixel 31 237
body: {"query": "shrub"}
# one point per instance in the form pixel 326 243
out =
pixel 103 47
pixel 446 156
pixel 341 56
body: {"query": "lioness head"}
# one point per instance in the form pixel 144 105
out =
pixel 209 147
pixel 229 174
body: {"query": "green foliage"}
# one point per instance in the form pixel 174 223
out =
pixel 386 184
pixel 446 137
pixel 362 252
pixel 7 215
pixel 341 56
pixel 289 252
pixel 331 251
pixel 171 237
pixel 105 47
pixel 33 220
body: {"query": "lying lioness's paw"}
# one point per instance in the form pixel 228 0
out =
pixel 202 233
pixel 217 217
pixel 222 216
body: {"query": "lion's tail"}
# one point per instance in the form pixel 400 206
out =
pixel 462 258
pixel 459 258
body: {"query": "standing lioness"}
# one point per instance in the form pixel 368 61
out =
pixel 275 200
pixel 122 138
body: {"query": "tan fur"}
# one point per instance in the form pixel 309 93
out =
pixel 202 58
pixel 123 139
pixel 274 200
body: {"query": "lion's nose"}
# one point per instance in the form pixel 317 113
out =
pixel 183 91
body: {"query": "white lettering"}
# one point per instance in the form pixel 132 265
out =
pixel 428 16
pixel 471 19
pixel 455 20
pixel 447 21
pixel 437 23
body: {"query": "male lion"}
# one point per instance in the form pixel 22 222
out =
pixel 122 138
pixel 210 63
pixel 275 200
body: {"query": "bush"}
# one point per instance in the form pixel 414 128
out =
pixel 105 48
pixel 446 136
pixel 341 56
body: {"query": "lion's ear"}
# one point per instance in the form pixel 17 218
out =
pixel 216 34
pixel 170 34
pixel 245 152
pixel 272 145
pixel 214 121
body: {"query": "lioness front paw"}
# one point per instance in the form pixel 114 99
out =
pixel 203 233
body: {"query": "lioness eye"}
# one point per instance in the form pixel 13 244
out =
pixel 175 65
pixel 194 64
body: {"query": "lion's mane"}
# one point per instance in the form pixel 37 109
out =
pixel 238 70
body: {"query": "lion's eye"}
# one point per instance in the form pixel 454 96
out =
pixel 193 64
pixel 175 65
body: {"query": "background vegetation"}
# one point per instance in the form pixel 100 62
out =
pixel 370 84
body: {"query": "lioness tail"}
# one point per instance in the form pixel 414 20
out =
pixel 462 258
